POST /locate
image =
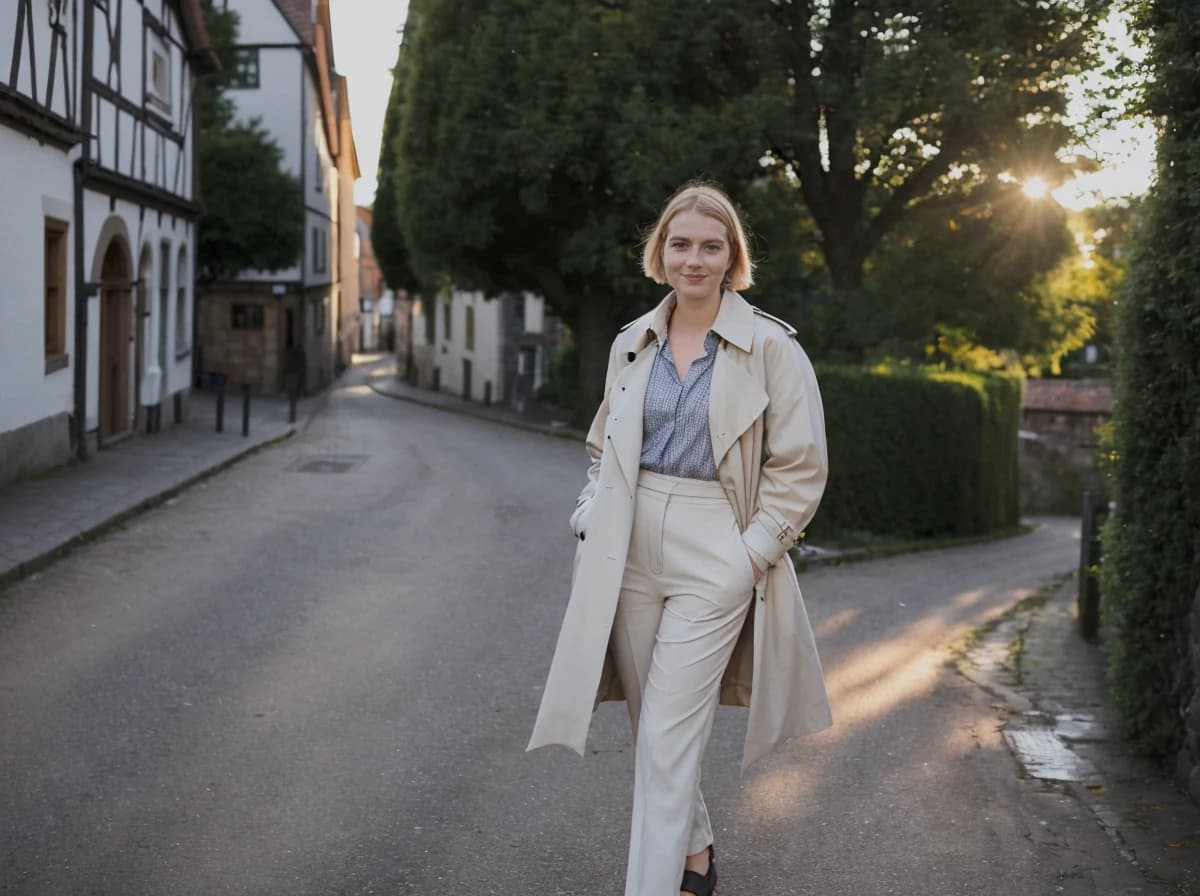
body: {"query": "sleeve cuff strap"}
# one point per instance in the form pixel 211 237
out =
pixel 761 543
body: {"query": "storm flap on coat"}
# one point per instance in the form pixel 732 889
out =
pixel 768 439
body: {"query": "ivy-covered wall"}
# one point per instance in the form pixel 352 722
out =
pixel 1151 575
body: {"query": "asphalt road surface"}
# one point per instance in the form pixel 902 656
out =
pixel 316 673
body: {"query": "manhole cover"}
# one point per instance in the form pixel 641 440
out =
pixel 327 463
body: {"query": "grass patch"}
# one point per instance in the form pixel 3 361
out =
pixel 855 547
pixel 1029 604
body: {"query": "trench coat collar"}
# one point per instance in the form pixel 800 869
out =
pixel 735 401
pixel 734 322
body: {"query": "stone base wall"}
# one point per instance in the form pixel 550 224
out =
pixel 35 448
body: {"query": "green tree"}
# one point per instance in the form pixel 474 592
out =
pixel 1151 572
pixel 539 139
pixel 386 235
pixel 253 210
pixel 879 111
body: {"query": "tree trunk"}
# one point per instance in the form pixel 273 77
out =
pixel 845 263
pixel 593 337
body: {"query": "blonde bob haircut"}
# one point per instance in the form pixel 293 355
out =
pixel 710 201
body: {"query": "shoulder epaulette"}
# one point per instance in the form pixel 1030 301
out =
pixel 787 328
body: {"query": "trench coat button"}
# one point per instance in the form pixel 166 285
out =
pixel 632 356
pixel 583 536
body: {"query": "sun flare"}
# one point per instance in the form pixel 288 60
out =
pixel 1036 188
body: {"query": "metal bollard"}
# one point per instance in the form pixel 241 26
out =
pixel 1088 600
pixel 221 406
pixel 293 387
pixel 245 409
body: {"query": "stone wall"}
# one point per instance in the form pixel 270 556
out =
pixel 35 448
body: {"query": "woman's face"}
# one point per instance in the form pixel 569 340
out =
pixel 696 255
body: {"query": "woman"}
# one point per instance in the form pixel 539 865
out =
pixel 708 460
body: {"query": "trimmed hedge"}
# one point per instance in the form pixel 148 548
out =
pixel 919 453
pixel 1151 569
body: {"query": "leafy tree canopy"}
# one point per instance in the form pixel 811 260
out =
pixel 539 139
pixel 253 209
pixel 534 140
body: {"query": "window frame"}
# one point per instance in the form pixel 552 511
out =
pixel 242 57
pixel 54 319
pixel 183 339
pixel 158 101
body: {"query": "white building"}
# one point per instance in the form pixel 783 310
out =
pixel 486 350
pixel 97 130
pixel 302 320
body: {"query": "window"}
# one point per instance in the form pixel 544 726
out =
pixel 470 334
pixel 244 72
pixel 319 170
pixel 320 250
pixel 247 317
pixel 430 319
pixel 55 294
pixel 446 315
pixel 181 315
pixel 158 74
pixel 320 311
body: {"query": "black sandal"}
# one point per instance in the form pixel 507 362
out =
pixel 701 884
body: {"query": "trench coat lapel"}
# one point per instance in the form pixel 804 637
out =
pixel 736 398
pixel 625 402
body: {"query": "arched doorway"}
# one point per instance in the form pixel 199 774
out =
pixel 116 318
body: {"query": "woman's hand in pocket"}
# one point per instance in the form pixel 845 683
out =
pixel 754 567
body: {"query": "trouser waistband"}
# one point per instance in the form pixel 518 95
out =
pixel 679 485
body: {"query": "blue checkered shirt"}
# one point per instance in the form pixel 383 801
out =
pixel 675 435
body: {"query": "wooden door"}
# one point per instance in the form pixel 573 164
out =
pixel 115 319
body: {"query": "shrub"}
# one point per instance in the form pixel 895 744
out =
pixel 918 452
pixel 1151 568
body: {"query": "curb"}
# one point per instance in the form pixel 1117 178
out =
pixel 830 558
pixel 564 432
pixel 27 568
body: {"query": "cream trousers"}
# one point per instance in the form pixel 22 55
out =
pixel 686 590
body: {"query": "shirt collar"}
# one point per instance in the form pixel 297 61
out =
pixel 734 323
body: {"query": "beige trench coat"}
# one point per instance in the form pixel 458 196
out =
pixel 768 440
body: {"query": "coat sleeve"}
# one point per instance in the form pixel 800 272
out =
pixel 595 447
pixel 796 463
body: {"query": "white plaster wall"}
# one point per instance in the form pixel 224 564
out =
pixel 451 351
pixel 38 53
pixel 262 23
pixel 43 189
pixel 277 101
pixel 535 313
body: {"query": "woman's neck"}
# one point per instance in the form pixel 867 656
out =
pixel 695 315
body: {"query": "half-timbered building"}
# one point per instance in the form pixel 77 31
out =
pixel 267 326
pixel 99 197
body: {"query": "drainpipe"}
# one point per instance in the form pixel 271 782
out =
pixel 81 283
pixel 81 316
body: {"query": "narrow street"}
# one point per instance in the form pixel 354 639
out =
pixel 315 673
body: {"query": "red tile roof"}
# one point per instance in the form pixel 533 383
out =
pixel 1070 396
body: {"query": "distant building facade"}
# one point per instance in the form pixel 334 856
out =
pixel 302 321
pixel 97 134
pixel 486 350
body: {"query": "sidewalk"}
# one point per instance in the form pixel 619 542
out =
pixel 1064 732
pixel 43 517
